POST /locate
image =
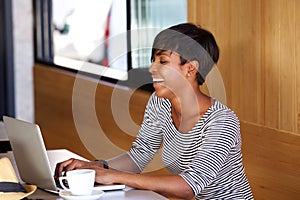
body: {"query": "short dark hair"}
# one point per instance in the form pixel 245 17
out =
pixel 191 42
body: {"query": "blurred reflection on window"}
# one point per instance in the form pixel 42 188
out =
pixel 96 32
pixel 153 16
pixel 82 29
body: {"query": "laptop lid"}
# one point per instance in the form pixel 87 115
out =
pixel 30 153
pixel 35 164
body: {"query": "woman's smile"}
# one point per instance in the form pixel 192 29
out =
pixel 158 80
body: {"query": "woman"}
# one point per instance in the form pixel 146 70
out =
pixel 200 137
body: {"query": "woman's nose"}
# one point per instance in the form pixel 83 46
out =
pixel 152 68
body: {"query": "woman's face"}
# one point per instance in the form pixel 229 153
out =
pixel 169 77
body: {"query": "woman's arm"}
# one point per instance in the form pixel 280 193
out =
pixel 124 163
pixel 171 186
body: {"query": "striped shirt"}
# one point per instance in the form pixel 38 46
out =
pixel 208 157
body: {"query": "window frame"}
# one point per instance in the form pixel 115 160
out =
pixel 7 91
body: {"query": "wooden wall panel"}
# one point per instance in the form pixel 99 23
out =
pixel 66 106
pixel 298 65
pixel 249 55
pixel 259 57
pixel 222 10
pixel 53 112
pixel 192 8
pixel 272 162
pixel 288 97
pixel 271 61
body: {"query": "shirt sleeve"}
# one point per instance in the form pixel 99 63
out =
pixel 221 136
pixel 149 138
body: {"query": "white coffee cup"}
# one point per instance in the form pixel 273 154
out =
pixel 80 181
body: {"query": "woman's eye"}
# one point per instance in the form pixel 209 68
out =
pixel 163 62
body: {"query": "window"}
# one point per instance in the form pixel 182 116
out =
pixel 7 101
pixel 107 38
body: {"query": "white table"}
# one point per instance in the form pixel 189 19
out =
pixel 126 194
pixel 111 195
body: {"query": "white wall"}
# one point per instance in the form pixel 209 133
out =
pixel 23 58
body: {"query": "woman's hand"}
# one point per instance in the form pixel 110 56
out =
pixel 104 176
pixel 71 164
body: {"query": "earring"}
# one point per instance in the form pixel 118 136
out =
pixel 188 74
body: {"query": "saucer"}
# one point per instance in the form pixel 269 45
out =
pixel 96 194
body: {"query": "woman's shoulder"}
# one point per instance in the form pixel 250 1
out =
pixel 221 109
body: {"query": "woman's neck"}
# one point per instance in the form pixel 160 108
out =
pixel 188 108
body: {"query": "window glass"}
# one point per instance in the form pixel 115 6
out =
pixel 148 17
pixel 106 37
pixel 82 32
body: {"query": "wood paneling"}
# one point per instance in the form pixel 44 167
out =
pixel 259 42
pixel 270 62
pixel 297 31
pixel 67 106
pixel 53 110
pixel 287 81
pixel 272 161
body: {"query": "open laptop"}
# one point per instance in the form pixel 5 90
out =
pixel 32 159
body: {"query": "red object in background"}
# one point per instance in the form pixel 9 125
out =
pixel 105 61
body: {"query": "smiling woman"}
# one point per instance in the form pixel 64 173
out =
pixel 199 136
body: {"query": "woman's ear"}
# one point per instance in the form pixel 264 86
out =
pixel 193 67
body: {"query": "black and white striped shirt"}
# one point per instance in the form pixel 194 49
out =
pixel 208 157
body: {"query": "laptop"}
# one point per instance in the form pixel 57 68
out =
pixel 35 164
